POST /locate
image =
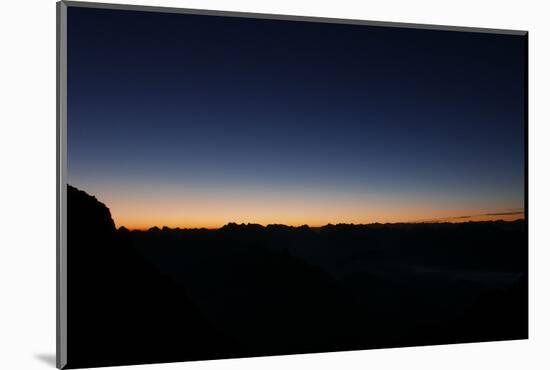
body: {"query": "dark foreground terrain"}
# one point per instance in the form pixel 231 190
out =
pixel 248 290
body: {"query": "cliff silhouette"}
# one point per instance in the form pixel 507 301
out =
pixel 121 310
pixel 248 290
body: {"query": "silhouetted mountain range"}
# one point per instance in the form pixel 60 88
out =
pixel 249 290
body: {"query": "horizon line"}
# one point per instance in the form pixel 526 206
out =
pixel 460 220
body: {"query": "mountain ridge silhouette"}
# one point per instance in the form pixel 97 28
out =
pixel 234 225
pixel 244 290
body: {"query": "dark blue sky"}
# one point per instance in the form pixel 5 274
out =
pixel 187 119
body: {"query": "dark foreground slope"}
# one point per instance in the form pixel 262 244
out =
pixel 249 290
pixel 120 309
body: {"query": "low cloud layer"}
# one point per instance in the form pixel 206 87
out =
pixel 504 213
pixel 507 212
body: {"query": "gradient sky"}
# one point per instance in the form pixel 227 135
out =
pixel 196 121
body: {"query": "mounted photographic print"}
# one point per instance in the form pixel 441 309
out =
pixel 235 185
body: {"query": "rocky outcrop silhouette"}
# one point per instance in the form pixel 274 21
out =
pixel 121 310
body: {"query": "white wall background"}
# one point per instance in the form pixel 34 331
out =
pixel 27 196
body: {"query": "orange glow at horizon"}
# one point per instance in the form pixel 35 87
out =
pixel 142 206
pixel 141 210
